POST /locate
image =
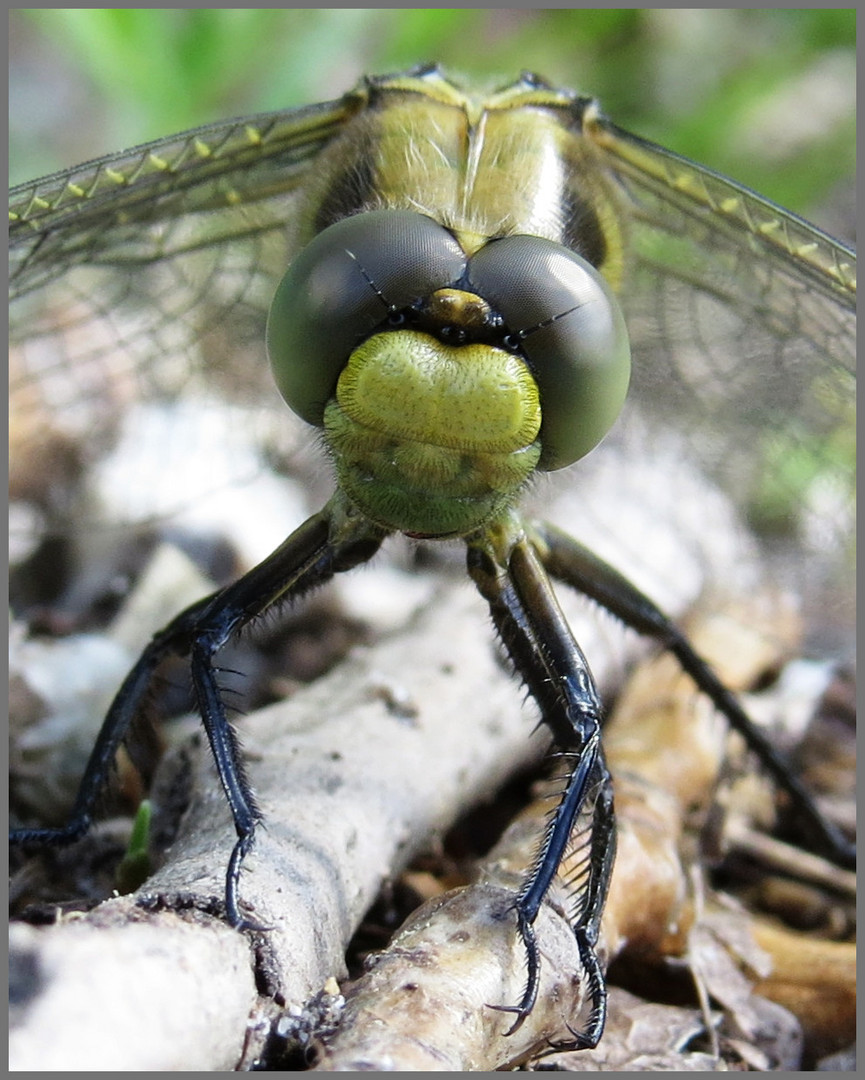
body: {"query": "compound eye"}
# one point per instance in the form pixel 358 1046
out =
pixel 569 326
pixel 341 287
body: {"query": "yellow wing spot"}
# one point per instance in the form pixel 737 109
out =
pixel 13 216
pixel 40 204
pixel 202 149
pixel 157 162
pixel 731 205
pixel 768 227
pixel 233 197
pixel 76 190
pixel 806 249
pixel 695 187
pixel 253 135
pixel 685 182
pixel 115 176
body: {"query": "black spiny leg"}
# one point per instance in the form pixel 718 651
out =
pixel 575 565
pixel 533 629
pixel 331 541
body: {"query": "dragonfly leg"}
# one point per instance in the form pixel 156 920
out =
pixel 575 565
pixel 542 647
pixel 330 542
pixel 120 715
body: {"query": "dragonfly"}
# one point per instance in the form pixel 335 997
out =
pixel 459 292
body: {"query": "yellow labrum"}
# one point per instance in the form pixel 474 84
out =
pixel 433 439
pixel 469 397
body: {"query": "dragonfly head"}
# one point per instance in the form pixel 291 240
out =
pixel 442 380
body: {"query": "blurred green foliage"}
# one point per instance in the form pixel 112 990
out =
pixel 765 95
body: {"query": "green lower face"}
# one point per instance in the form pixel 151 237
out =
pixel 431 439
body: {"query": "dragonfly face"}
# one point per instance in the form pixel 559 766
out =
pixel 456 281
pixel 469 346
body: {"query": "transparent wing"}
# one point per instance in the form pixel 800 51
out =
pixel 145 277
pixel 127 208
pixel 742 317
